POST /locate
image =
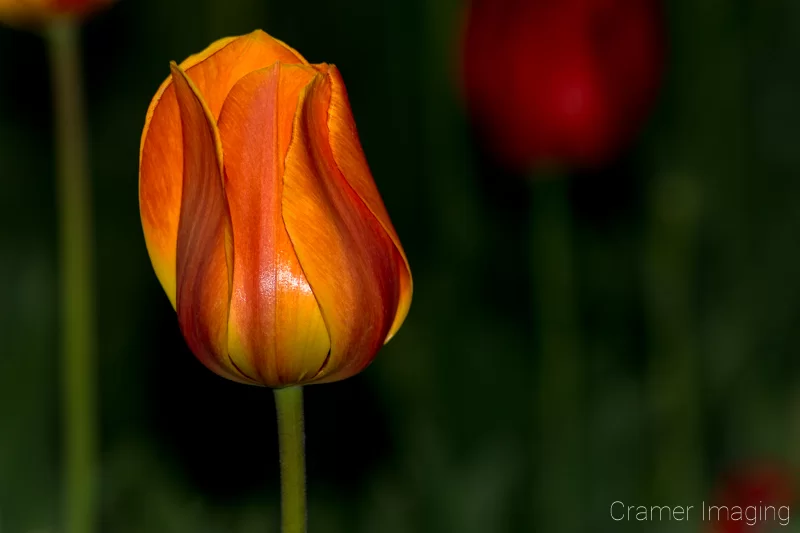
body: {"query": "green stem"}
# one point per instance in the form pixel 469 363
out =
pixel 76 296
pixel 560 377
pixel 289 403
pixel 675 365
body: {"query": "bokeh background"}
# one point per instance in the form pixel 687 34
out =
pixel 684 257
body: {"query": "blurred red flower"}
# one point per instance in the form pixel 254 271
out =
pixel 39 10
pixel 752 497
pixel 561 81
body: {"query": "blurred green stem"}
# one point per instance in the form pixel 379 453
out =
pixel 674 366
pixel 560 379
pixel 77 294
pixel 289 403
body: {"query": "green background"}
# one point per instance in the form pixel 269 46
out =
pixel 680 274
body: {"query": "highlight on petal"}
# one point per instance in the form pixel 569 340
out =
pixel 203 259
pixel 352 163
pixel 348 257
pixel 214 72
pixel 276 330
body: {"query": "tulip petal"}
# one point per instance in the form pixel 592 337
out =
pixel 352 163
pixel 275 326
pixel 203 253
pixel 349 259
pixel 213 71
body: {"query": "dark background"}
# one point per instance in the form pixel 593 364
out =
pixel 685 255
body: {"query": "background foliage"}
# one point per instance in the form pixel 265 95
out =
pixel 685 254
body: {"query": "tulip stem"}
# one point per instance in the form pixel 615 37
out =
pixel 291 439
pixel 76 290
pixel 560 376
pixel 675 368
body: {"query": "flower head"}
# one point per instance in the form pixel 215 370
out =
pixel 560 81
pixel 753 497
pixel 262 220
pixel 39 10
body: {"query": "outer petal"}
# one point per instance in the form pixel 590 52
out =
pixel 347 256
pixel 203 284
pixel 214 71
pixel 276 329
pixel 350 158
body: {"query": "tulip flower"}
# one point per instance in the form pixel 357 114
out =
pixel 560 81
pixel 38 10
pixel 262 220
pixel 753 498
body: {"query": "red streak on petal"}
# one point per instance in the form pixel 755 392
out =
pixel 202 269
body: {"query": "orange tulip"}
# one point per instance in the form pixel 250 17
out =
pixel 27 10
pixel 262 220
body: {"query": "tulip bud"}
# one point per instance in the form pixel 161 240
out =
pixel 39 10
pixel 560 81
pixel 262 220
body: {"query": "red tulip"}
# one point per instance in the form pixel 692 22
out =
pixel 755 498
pixel 561 81
pixel 262 220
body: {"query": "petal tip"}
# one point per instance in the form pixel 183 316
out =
pixel 176 70
pixel 258 33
